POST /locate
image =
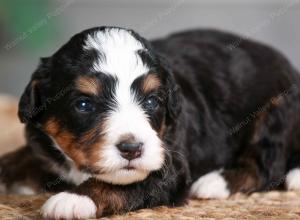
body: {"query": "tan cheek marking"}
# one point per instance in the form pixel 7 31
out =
pixel 85 151
pixel 150 83
pixel 66 141
pixel 89 85
pixel 94 140
pixel 93 150
pixel 88 136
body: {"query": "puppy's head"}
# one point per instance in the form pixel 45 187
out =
pixel 105 100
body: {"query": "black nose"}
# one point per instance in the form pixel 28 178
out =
pixel 130 150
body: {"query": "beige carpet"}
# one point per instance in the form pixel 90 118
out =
pixel 271 205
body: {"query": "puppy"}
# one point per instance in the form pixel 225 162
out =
pixel 115 123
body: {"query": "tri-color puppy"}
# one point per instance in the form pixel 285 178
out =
pixel 115 123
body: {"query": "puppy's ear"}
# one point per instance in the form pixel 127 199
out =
pixel 173 99
pixel 30 101
pixel 173 93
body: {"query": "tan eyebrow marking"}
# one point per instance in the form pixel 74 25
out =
pixel 89 85
pixel 150 83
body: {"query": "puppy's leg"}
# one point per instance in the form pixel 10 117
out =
pixel 22 173
pixel 257 169
pixel 95 198
pixel 220 184
pixel 260 165
pixel 18 172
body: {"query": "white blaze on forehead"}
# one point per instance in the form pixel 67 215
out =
pixel 119 48
pixel 121 60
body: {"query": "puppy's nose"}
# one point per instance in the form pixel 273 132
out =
pixel 130 150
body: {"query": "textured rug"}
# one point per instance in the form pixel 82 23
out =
pixel 271 205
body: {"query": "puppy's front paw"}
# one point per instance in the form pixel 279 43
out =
pixel 210 186
pixel 69 206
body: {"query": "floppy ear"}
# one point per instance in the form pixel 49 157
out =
pixel 30 101
pixel 173 99
pixel 173 93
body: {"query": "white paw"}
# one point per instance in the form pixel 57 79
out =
pixel 69 206
pixel 211 185
pixel 292 181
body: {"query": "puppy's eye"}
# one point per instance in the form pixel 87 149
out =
pixel 84 105
pixel 151 103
